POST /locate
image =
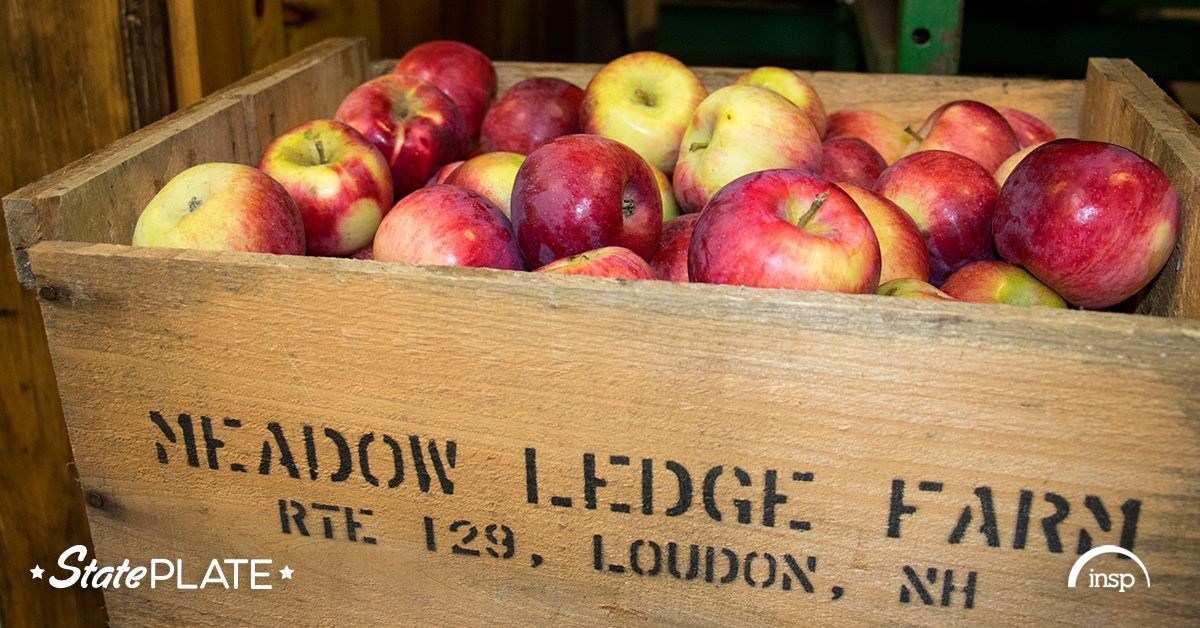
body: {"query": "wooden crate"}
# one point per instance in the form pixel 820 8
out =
pixel 869 459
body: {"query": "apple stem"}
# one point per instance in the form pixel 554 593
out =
pixel 627 207
pixel 193 204
pixel 697 146
pixel 801 221
pixel 320 152
pixel 914 134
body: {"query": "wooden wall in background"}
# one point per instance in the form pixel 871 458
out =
pixel 65 93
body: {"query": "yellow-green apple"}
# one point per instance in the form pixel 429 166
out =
pixel 446 225
pixel 913 289
pixel 225 207
pixel 530 114
pixel 583 192
pixel 416 126
pixel 670 263
pixel 1029 128
pixel 669 206
pixel 993 281
pixel 439 177
pixel 464 73
pixel 643 100
pixel 784 229
pixel 610 261
pixel 339 180
pixel 884 134
pixel 969 128
pixel 952 199
pixel 791 86
pixel 738 130
pixel 851 160
pixel 1092 220
pixel 900 244
pixel 490 174
pixel 1006 168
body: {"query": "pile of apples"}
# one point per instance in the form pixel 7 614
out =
pixel 645 175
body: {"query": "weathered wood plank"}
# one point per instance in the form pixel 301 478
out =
pixel 859 391
pixel 1123 106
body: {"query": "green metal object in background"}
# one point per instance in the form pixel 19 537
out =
pixel 930 36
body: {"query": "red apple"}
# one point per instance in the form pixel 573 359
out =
pixel 416 127
pixel 738 130
pixel 490 174
pixel 791 86
pixel 900 244
pixel 367 252
pixel 584 192
pixel 446 225
pixel 952 199
pixel 643 100
pixel 464 73
pixel 530 114
pixel 1000 282
pixel 670 263
pixel 222 207
pixel 913 289
pixel 611 261
pixel 784 229
pixel 971 129
pixel 879 130
pixel 1094 221
pixel 339 180
pixel 851 160
pixel 1029 128
pixel 439 177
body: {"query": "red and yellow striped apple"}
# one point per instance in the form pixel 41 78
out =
pixel 224 207
pixel 738 130
pixel 583 192
pixel 791 86
pixel 901 247
pixel 851 160
pixel 785 229
pixel 416 127
pixel 992 281
pixel 913 289
pixel 446 225
pixel 670 208
pixel 531 113
pixel 884 134
pixel 461 71
pixel 952 199
pixel 1029 128
pixel 490 174
pixel 339 180
pixel 971 129
pixel 613 262
pixel 1094 221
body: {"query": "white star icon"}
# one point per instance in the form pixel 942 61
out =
pixel 37 572
pixel 286 573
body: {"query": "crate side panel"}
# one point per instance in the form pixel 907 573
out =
pixel 1125 107
pixel 987 420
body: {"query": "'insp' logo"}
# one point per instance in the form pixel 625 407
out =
pixel 1119 581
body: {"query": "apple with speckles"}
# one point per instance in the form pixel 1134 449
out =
pixel 339 180
pixel 446 225
pixel 530 114
pixel 738 130
pixel 222 207
pixel 785 229
pixel 583 192
pixel 461 71
pixel 415 126
pixel 613 262
pixel 952 200
pixel 1094 221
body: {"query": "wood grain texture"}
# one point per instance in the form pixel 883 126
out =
pixel 859 391
pixel 1125 107
pixel 98 198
